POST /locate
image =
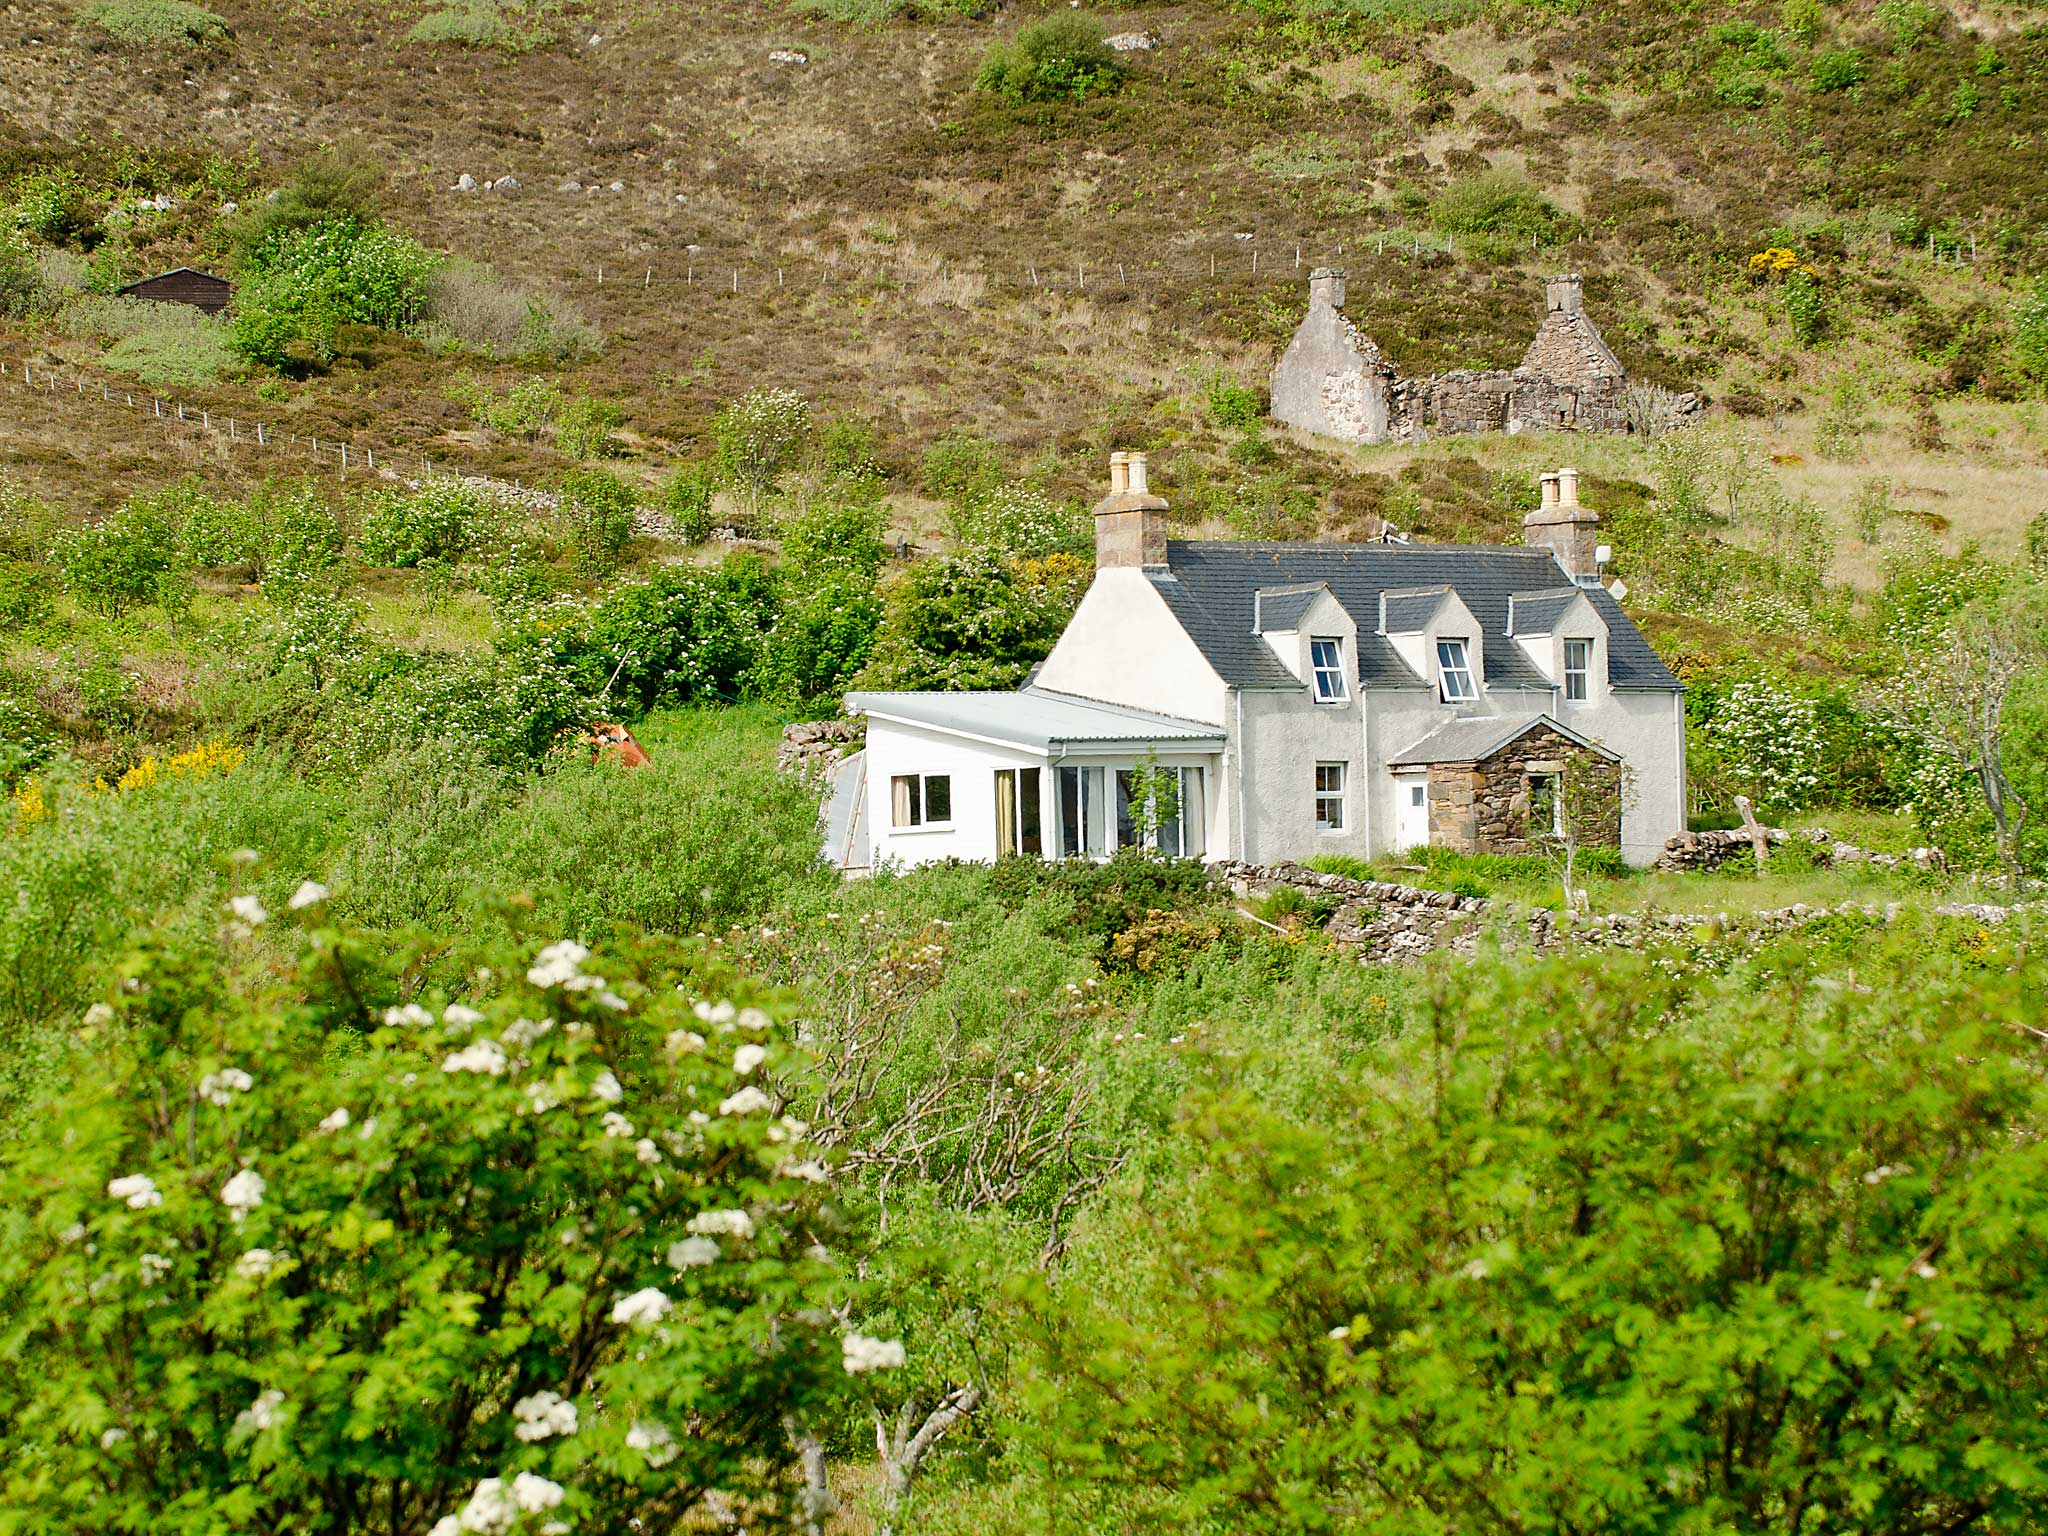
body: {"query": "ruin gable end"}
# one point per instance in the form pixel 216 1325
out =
pixel 1335 382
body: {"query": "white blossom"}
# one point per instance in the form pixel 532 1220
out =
pixel 154 1267
pixel 334 1120
pixel 731 1223
pixel 606 1087
pixel 533 1494
pixel 748 1057
pixel 748 1101
pixel 461 1013
pixel 310 893
pixel 138 1189
pixel 485 1056
pixel 112 1437
pixel 646 1151
pixel 655 1439
pixel 684 1042
pixel 255 1263
pixel 490 1510
pixel 261 1414
pixel 220 1087
pixel 811 1171
pixel 98 1014
pixel 642 1309
pixel 859 1353
pixel 249 910
pixel 243 1193
pixel 539 1098
pixel 521 1033
pixel 447 1525
pixel 75 1233
pixel 612 1000
pixel 692 1252
pixel 561 965
pixel 411 1013
pixel 616 1126
pixel 714 1013
pixel 544 1414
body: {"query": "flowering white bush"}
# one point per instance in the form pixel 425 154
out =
pixel 1770 742
pixel 472 1300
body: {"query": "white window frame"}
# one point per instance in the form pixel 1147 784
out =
pixel 1582 674
pixel 1555 780
pixel 1330 687
pixel 920 802
pixel 1467 689
pixel 1333 796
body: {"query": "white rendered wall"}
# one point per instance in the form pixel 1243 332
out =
pixel 894 748
pixel 1124 646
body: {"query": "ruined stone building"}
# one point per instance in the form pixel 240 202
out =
pixel 1333 380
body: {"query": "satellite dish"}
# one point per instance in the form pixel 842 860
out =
pixel 1603 554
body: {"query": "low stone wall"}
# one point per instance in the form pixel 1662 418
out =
pixel 1710 850
pixel 816 747
pixel 1382 921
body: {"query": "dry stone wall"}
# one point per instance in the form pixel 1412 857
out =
pixel 816 747
pixel 1710 850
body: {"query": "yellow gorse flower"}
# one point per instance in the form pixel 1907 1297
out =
pixel 29 804
pixel 1776 261
pixel 203 761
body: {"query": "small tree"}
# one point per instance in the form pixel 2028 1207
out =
pixel 1954 700
pixel 1582 805
pixel 597 507
pixel 1062 58
pixel 759 436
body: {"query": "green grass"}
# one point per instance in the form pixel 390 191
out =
pixel 175 357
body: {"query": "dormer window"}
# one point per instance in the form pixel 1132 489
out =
pixel 1326 659
pixel 1578 670
pixel 1454 672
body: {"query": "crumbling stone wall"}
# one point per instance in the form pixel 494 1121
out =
pixel 1483 807
pixel 1334 381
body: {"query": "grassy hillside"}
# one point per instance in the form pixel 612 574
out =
pixel 869 229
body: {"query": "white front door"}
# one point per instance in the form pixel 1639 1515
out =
pixel 1411 811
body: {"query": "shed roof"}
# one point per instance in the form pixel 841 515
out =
pixel 1473 740
pixel 1035 718
pixel 1211 587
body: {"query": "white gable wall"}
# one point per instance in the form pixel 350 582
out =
pixel 1124 646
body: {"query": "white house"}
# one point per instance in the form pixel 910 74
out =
pixel 1266 701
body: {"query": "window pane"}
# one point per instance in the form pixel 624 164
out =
pixel 1030 836
pixel 938 797
pixel 1126 817
pixel 904 800
pixel 1006 812
pixel 1192 812
pixel 1070 811
pixel 1094 809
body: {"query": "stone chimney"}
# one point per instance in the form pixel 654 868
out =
pixel 1130 522
pixel 1564 295
pixel 1326 288
pixel 1568 530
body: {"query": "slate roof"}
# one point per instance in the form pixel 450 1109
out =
pixel 1473 740
pixel 1407 613
pixel 1034 717
pixel 1211 587
pixel 1537 613
pixel 1281 608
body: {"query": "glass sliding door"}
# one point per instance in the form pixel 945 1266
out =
pixel 1019 817
pixel 1083 812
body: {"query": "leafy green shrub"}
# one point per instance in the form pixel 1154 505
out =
pixel 967 622
pixel 176 356
pixel 55 206
pixel 597 510
pixel 157 21
pixel 2030 332
pixel 1061 58
pixel 874 12
pixel 508 26
pixel 441 519
pixel 587 428
pixel 686 501
pixel 300 284
pixel 1231 405
pixel 27 739
pixel 1806 305
pixel 24 596
pixel 1497 206
pixel 822 634
pixel 1021 520
pixel 1909 22
pixel 363 1189
pixel 838 538
pixel 1837 69
pixel 684 635
pixel 524 410
pixel 21 287
pixel 120 563
pixel 1107 897
pixel 959 466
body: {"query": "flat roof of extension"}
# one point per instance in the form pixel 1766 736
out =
pixel 1037 719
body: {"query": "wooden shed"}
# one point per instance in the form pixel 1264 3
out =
pixel 202 290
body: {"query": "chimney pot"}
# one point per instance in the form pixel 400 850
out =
pixel 1136 462
pixel 1568 487
pixel 1549 483
pixel 1119 473
pixel 1130 522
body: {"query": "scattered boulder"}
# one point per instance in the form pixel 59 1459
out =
pixel 571 185
pixel 618 186
pixel 506 183
pixel 1133 42
pixel 464 183
pixel 788 56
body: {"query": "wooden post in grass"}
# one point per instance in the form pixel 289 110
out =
pixel 1759 840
